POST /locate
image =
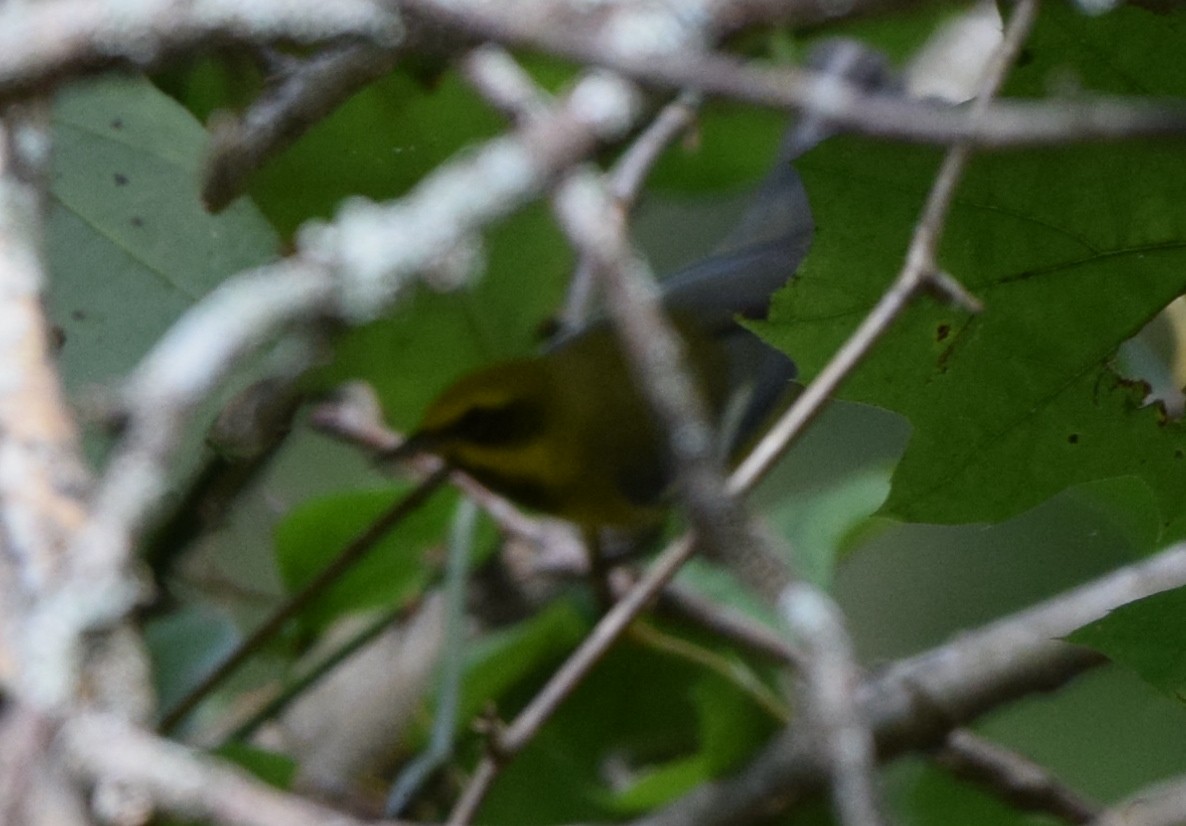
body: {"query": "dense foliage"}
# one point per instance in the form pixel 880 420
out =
pixel 974 464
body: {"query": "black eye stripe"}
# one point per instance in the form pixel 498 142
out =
pixel 514 423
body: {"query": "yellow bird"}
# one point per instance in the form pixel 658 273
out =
pixel 566 432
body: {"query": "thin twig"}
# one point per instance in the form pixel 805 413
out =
pixel 832 674
pixel 658 360
pixel 1013 777
pixel 728 624
pixel 500 79
pixel 628 175
pixel 921 258
pixel 347 558
pixel 661 374
pixel 761 695
pixel 63 38
pixel 629 25
pixel 440 741
pixel 625 182
pixel 298 687
pixel 524 727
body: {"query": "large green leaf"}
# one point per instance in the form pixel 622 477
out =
pixel 1072 251
pixel 1148 636
pixel 377 144
pixel 128 243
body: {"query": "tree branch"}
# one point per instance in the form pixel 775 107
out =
pixel 44 480
pixel 658 51
pixel 661 373
pixel 914 703
pixel 1162 804
pixel 103 748
pixel 307 93
pixel 1014 778
pixel 45 43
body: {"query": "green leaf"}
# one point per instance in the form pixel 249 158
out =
pixel 1127 504
pixel 432 339
pixel 1148 636
pixel 663 784
pixel 1072 251
pixel 819 522
pixel 185 646
pixel 731 725
pixel 398 131
pixel 732 148
pixel 931 797
pixel 722 587
pixel 730 728
pixel 377 145
pixel 549 783
pixel 128 243
pixel 395 570
pixel 501 660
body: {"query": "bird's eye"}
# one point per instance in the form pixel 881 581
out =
pixel 512 423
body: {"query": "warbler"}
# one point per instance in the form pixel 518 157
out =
pixel 568 433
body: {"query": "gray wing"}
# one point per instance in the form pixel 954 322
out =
pixel 757 257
